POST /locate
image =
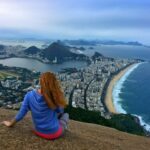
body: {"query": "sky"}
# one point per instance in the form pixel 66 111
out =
pixel 126 20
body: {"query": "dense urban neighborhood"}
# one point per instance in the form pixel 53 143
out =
pixel 14 83
pixel 84 88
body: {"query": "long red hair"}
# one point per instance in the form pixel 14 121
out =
pixel 51 90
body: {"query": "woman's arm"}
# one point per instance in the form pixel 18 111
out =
pixel 22 112
pixel 24 109
pixel 59 112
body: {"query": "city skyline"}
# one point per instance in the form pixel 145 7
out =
pixel 69 19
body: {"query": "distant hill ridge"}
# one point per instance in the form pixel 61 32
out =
pixel 60 51
pixel 32 50
pixel 103 42
pixel 2 47
pixel 97 55
pixel 55 50
pixel 79 136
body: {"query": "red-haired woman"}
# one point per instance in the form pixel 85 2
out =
pixel 46 105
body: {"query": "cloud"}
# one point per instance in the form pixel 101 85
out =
pixel 75 18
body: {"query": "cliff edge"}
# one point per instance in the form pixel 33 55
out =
pixel 79 136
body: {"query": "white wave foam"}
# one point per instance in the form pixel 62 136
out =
pixel 116 98
pixel 143 123
pixel 117 90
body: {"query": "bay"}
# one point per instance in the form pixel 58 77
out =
pixel 33 64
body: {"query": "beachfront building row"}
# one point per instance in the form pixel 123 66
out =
pixel 84 88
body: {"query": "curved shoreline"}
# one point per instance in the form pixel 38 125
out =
pixel 108 100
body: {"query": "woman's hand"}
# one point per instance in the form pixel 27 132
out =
pixel 9 123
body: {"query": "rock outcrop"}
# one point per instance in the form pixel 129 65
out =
pixel 78 137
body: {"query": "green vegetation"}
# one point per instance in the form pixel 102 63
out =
pixel 5 74
pixel 120 122
pixel 126 123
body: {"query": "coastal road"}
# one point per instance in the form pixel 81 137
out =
pixel 85 94
pixel 71 96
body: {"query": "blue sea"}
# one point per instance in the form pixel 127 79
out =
pixel 131 94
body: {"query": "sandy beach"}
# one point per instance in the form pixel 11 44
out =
pixel 109 98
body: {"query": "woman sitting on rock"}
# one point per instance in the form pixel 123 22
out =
pixel 47 108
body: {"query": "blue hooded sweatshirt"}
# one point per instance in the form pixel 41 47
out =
pixel 45 119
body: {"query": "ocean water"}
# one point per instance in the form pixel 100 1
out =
pixel 131 94
pixel 121 51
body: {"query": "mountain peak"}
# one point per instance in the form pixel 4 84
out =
pixel 32 50
pixel 62 52
pixel 57 46
pixel 2 47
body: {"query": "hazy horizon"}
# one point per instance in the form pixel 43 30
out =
pixel 73 19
